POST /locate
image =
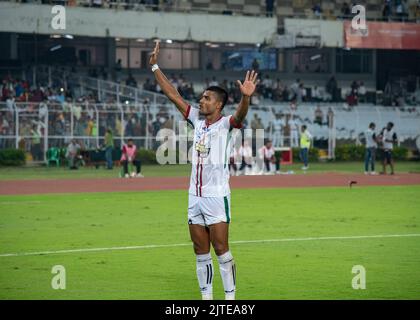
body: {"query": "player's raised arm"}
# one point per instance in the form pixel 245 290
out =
pixel 247 89
pixel 167 88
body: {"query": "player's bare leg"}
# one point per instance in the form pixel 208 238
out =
pixel 200 236
pixel 219 237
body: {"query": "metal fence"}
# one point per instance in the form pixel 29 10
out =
pixel 35 127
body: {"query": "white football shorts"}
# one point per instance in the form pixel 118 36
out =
pixel 206 211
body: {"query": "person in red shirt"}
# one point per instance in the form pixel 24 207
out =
pixel 129 154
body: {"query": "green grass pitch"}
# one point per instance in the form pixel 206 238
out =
pixel 311 269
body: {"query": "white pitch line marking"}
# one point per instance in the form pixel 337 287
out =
pixel 153 246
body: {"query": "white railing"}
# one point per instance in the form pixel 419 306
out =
pixel 23 125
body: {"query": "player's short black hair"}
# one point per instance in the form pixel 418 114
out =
pixel 372 124
pixel 130 139
pixel 221 93
pixel 390 124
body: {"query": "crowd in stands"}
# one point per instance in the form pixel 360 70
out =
pixel 391 9
pixel 42 107
pixel 268 88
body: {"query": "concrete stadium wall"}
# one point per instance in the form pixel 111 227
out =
pixel 27 18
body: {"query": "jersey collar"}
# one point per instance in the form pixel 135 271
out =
pixel 209 124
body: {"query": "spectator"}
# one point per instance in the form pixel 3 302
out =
pixel 36 143
pixel 345 10
pixel 331 88
pixel 131 81
pixel 319 116
pixel 245 153
pixel 214 82
pixel 301 93
pixel 277 127
pixel 361 92
pixel 129 155
pixel 72 154
pixel 97 3
pixel 317 10
pixel 371 145
pixel 316 94
pixel 295 88
pixel 305 144
pixel 388 137
pixel 267 84
pixel 269 157
pixel 109 147
pixel 277 90
pixel 269 5
pixel 256 123
pixel 386 11
pixel 255 65
pixel 293 131
pixel 147 85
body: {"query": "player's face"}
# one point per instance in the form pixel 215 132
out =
pixel 209 103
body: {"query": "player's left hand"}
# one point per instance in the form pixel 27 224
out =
pixel 248 86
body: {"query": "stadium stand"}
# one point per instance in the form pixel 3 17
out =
pixel 78 86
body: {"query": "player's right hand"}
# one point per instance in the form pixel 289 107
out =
pixel 154 55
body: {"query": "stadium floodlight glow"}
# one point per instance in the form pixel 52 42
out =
pixel 55 48
pixel 315 57
pixel 126 102
pixel 62 89
pixel 208 44
pixel 230 44
pixel 258 45
pixel 55 36
pixel 69 36
pixel 117 39
pixel 169 41
pixel 140 40
pixel 214 45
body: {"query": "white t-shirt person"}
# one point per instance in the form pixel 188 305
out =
pixel 388 136
pixel 370 138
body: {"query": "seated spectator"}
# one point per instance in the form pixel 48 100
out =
pixel 214 82
pixel 301 95
pixel 319 116
pixel 331 88
pixel 277 90
pixel 317 10
pixel 361 92
pixel 129 155
pixel 316 94
pixel 131 81
pixel 255 65
pixel 267 84
pixel 345 10
pixel 386 11
pixel 268 154
pixel 73 155
pixel 245 153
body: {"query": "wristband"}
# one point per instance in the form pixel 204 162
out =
pixel 155 67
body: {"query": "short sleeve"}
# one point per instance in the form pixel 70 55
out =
pixel 192 115
pixel 231 123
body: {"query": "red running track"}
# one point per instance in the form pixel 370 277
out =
pixel 20 187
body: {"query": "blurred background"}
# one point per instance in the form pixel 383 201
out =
pixel 315 69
